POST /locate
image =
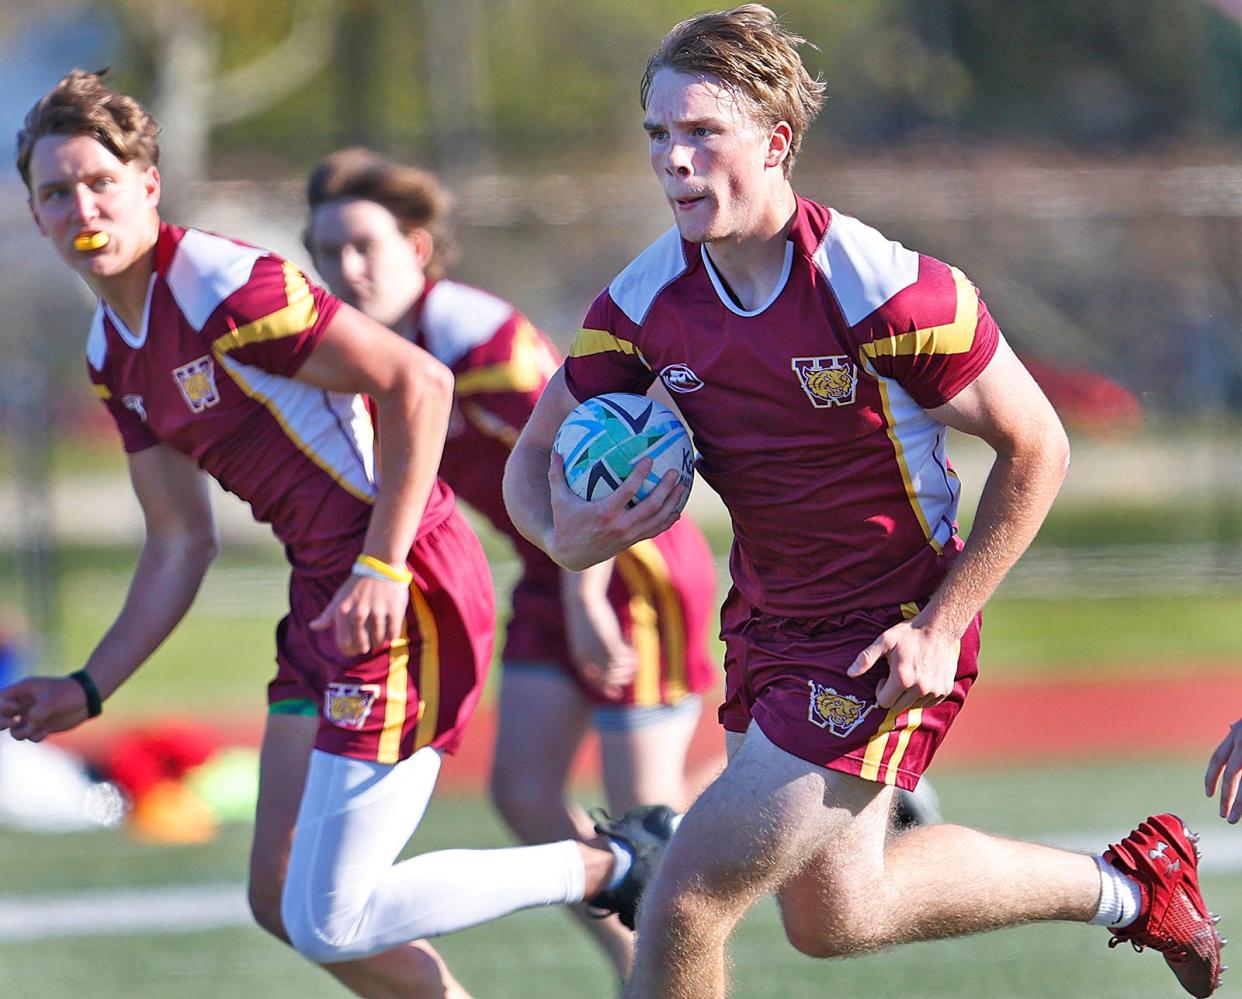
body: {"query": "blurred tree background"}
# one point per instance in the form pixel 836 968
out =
pixel 477 82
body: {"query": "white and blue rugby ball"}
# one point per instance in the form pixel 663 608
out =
pixel 604 437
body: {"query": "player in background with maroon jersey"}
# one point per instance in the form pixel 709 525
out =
pixel 820 366
pixel 214 357
pixel 621 649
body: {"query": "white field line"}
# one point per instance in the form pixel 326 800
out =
pixel 186 908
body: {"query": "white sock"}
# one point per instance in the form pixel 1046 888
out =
pixel 1120 898
pixel 623 860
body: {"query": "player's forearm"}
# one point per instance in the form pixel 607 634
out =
pixel 165 582
pixel 528 498
pixel 582 586
pixel 1015 501
pixel 413 422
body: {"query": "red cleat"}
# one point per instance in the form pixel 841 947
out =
pixel 1162 855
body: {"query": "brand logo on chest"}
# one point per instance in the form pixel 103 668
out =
pixel 197 381
pixel 827 381
pixel 679 378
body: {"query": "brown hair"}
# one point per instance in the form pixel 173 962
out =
pixel 413 196
pixel 755 57
pixel 82 104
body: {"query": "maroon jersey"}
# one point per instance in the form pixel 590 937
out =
pixel 210 373
pixel 501 364
pixel 662 589
pixel 809 411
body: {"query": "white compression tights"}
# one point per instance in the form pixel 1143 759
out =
pixel 344 898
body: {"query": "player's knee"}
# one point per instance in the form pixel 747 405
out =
pixel 826 939
pixel 317 932
pixel 814 942
pixel 517 795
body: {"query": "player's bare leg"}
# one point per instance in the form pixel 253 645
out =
pixel 643 766
pixel 856 896
pixel 413 970
pixel 543 718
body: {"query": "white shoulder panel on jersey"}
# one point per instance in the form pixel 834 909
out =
pixel 457 318
pixel 863 267
pixel 206 270
pixel 636 287
pixel 97 340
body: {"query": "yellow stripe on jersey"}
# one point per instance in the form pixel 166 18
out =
pixel 231 367
pixel 489 424
pixel 890 427
pixel 530 364
pixel 298 315
pixel 956 338
pixel 102 391
pixel 397 694
pixel 672 617
pixel 589 342
pixel 428 670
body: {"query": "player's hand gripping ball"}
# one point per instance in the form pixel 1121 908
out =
pixel 604 437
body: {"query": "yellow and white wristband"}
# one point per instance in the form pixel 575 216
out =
pixel 376 568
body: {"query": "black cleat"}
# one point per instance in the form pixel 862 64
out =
pixel 645 830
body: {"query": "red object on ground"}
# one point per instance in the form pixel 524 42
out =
pixel 141 758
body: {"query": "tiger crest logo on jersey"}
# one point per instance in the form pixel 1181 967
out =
pixel 348 705
pixel 827 381
pixel 840 714
pixel 197 381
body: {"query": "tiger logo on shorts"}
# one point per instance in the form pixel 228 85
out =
pixel 839 713
pixel 348 705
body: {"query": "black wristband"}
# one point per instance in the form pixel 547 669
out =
pixel 94 703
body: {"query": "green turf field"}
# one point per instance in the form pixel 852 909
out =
pixel 221 657
pixel 542 956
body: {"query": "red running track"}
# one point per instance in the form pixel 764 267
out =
pixel 1005 722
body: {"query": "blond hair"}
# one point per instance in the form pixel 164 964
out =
pixel 82 104
pixel 414 197
pixel 748 50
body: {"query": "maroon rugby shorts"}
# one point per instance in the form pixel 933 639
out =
pixel 663 591
pixel 788 675
pixel 421 690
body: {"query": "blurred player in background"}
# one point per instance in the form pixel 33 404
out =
pixel 1225 768
pixel 218 358
pixel 828 363
pixel 620 646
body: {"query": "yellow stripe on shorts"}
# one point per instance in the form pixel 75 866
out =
pixel 428 670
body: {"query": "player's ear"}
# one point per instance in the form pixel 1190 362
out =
pixel 424 246
pixel 151 184
pixel 780 139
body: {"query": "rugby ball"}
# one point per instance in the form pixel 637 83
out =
pixel 604 437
